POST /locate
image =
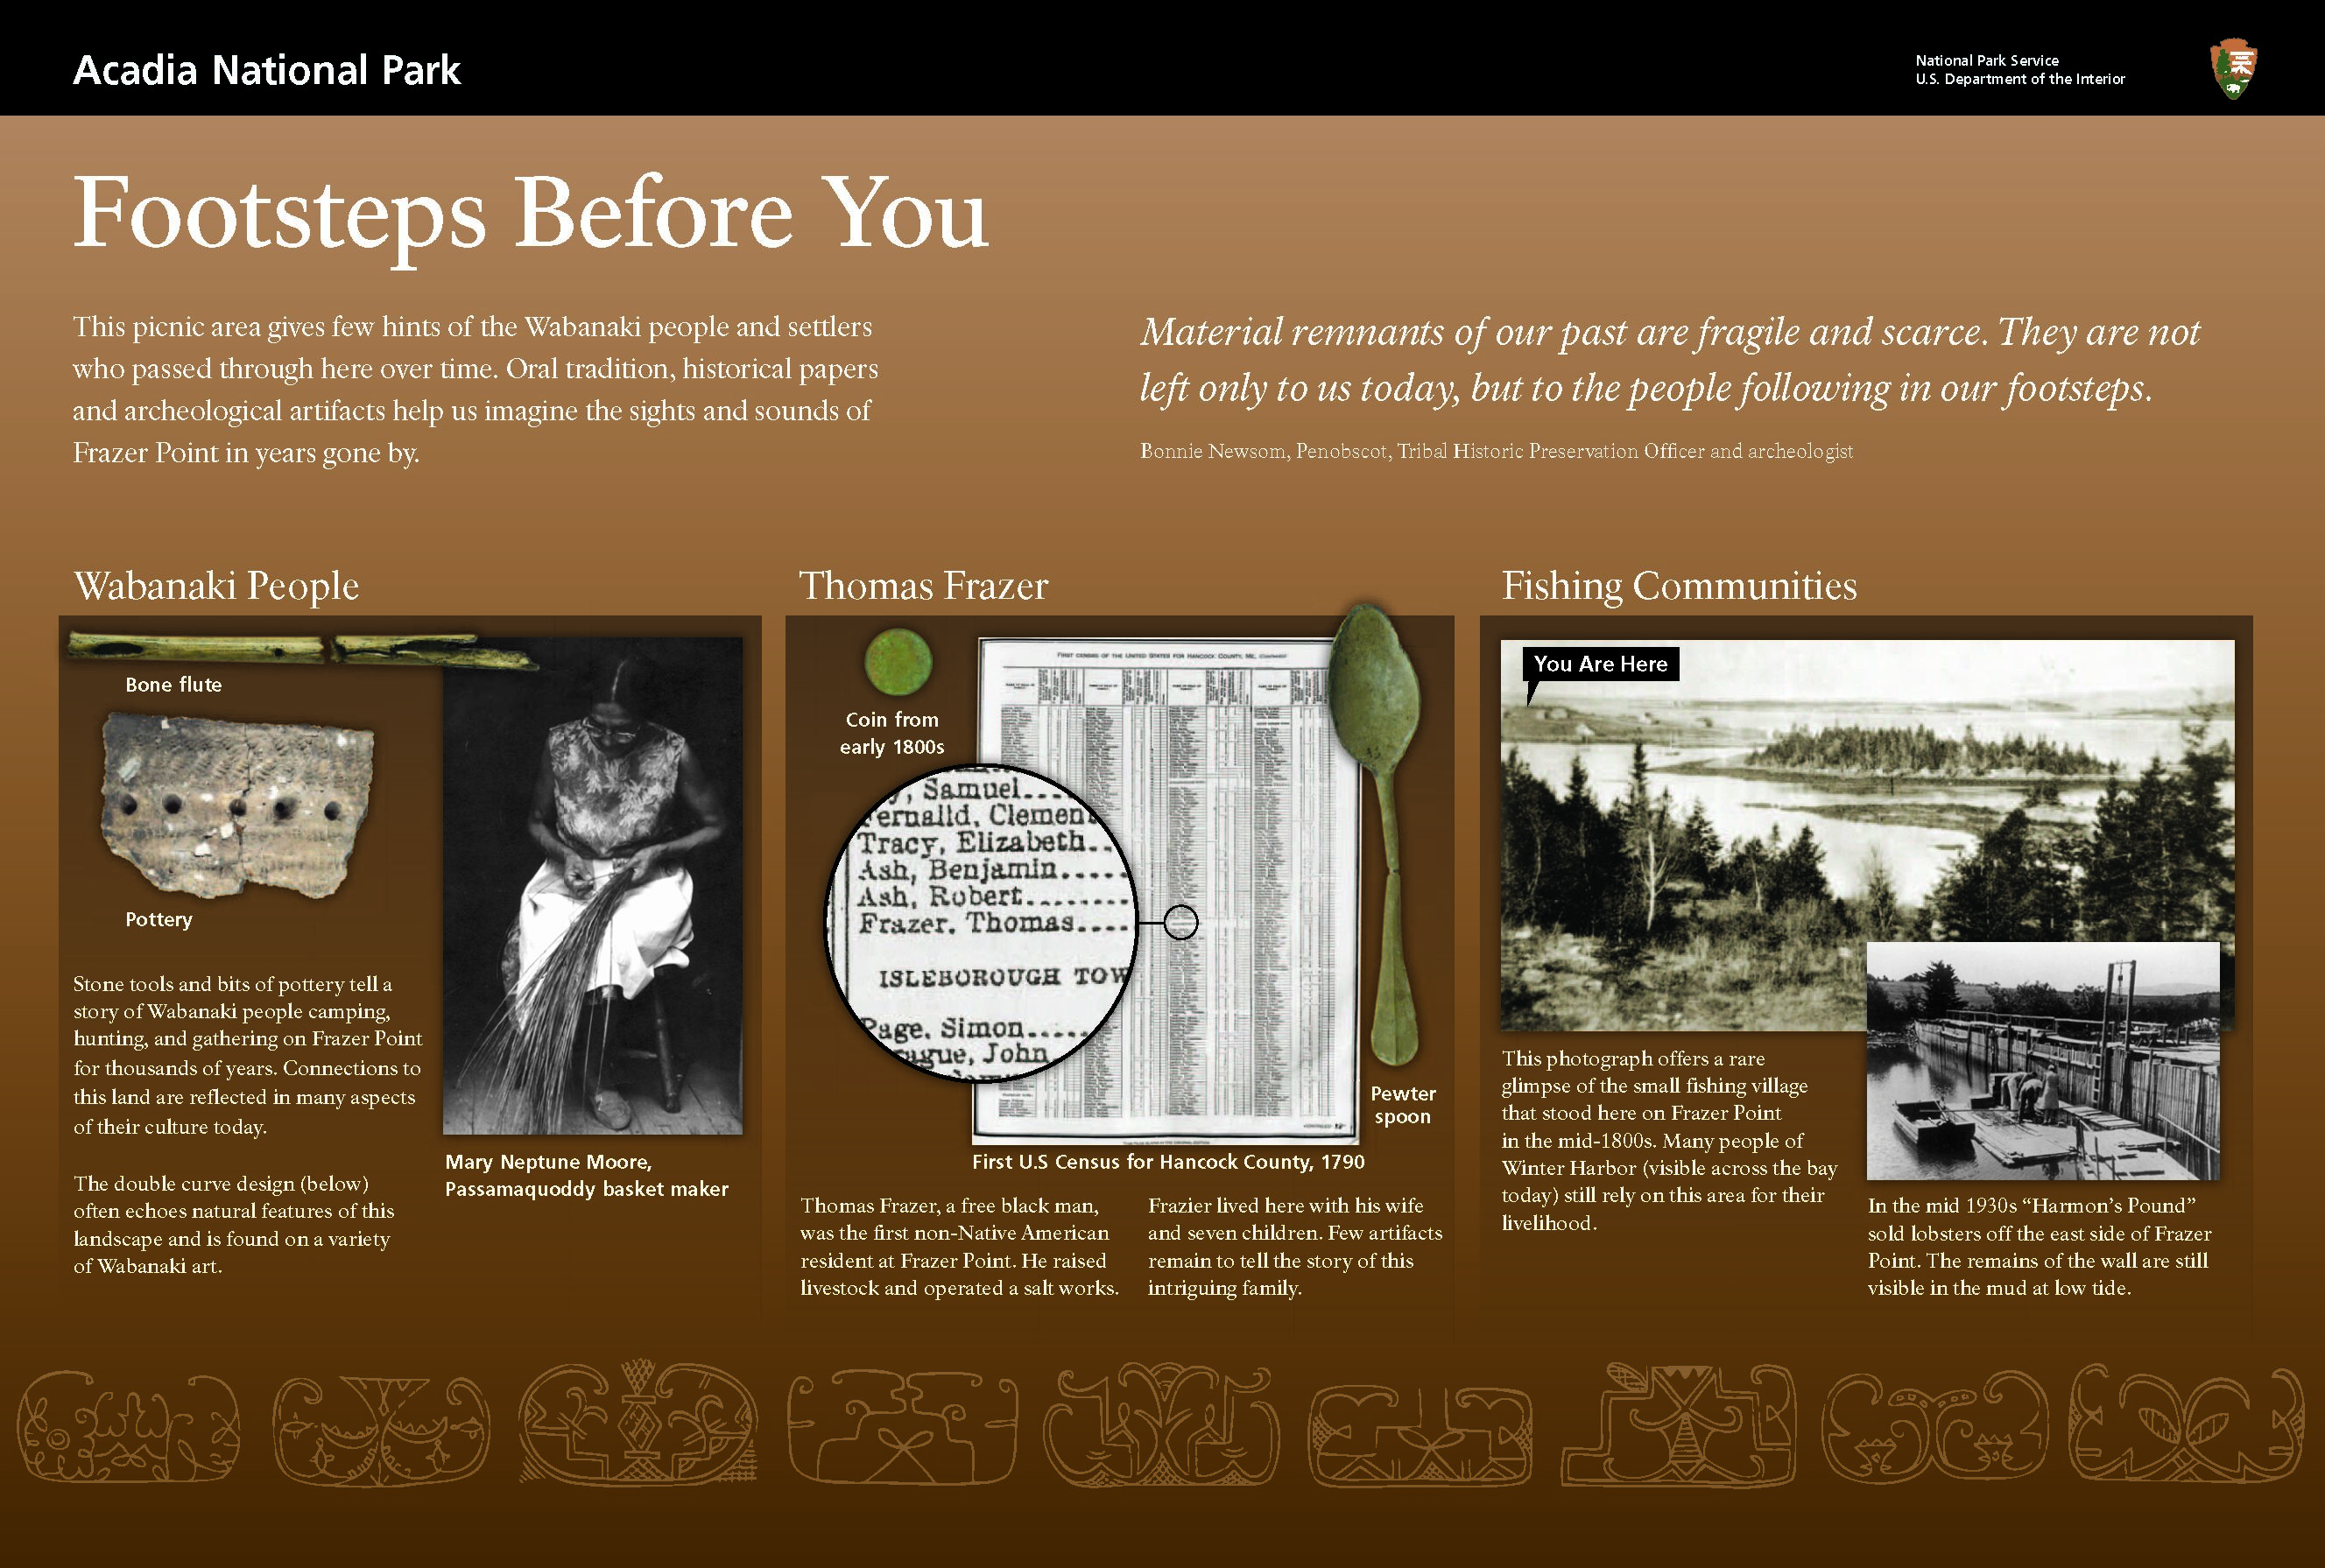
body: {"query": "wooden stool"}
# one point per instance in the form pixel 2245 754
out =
pixel 663 1055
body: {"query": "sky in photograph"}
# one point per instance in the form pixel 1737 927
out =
pixel 1897 671
pixel 2064 965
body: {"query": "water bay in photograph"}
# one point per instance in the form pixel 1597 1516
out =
pixel 2043 1061
pixel 1714 852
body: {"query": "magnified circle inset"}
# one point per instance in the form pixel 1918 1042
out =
pixel 981 923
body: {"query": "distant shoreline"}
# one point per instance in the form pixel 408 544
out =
pixel 1562 725
pixel 1943 816
pixel 1880 783
pixel 1606 730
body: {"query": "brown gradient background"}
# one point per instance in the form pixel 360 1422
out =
pixel 1708 1239
pixel 1006 442
pixel 392 900
pixel 882 1127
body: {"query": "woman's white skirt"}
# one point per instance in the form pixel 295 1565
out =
pixel 650 930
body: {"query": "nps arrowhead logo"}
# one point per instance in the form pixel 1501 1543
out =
pixel 2233 63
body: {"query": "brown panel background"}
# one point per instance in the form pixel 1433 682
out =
pixel 1695 1248
pixel 1005 441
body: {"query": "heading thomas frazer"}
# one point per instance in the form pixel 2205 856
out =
pixel 269 70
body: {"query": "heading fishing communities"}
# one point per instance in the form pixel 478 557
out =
pixel 1518 583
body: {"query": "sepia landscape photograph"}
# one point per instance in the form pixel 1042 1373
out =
pixel 1715 852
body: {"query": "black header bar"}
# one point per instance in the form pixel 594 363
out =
pixel 660 64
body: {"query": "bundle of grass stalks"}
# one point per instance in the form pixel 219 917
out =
pixel 528 1046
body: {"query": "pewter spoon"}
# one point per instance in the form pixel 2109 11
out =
pixel 1376 701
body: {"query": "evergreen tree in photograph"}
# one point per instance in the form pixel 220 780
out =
pixel 2159 864
pixel 1650 837
pixel 2160 894
pixel 2205 831
pixel 1751 865
pixel 1882 1015
pixel 1699 849
pixel 2109 897
pixel 1800 871
pixel 1853 749
pixel 1590 845
pixel 2013 887
pixel 1941 990
pixel 1527 840
pixel 1879 913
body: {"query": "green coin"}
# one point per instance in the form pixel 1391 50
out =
pixel 899 661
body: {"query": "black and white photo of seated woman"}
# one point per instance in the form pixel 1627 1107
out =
pixel 592 890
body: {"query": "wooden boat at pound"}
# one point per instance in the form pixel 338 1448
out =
pixel 1928 1124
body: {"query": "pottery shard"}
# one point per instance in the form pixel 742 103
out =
pixel 202 807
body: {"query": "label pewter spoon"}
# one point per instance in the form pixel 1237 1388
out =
pixel 1376 701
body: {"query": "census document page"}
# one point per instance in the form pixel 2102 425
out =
pixel 1214 763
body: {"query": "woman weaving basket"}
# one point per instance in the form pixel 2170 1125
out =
pixel 606 813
